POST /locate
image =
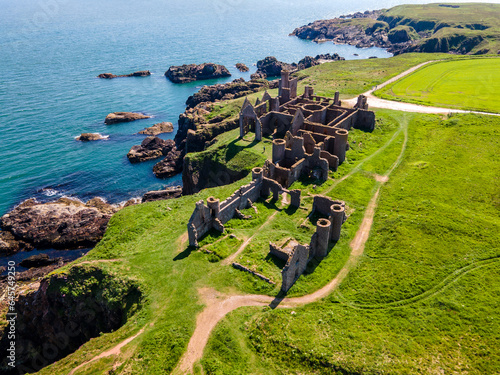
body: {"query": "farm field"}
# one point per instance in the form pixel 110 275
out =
pixel 468 84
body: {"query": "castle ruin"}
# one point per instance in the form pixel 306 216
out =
pixel 310 137
pixel 310 132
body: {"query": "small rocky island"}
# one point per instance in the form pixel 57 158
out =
pixel 87 137
pixel 117 117
pixel 242 67
pixel 142 73
pixel 193 72
pixel 150 148
pixel 160 128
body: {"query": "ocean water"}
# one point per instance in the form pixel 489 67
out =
pixel 52 51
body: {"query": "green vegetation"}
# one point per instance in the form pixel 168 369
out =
pixel 151 244
pixel 354 77
pixel 423 298
pixel 471 84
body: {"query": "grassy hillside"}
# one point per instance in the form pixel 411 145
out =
pixel 465 28
pixel 464 84
pixel 149 244
pixel 426 293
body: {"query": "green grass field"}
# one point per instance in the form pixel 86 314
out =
pixel 471 84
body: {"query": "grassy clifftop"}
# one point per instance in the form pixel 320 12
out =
pixel 463 28
pixel 457 28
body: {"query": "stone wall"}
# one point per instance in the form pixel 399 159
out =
pixel 215 215
pixel 295 266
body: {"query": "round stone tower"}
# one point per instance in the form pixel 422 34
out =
pixel 340 144
pixel 279 146
pixel 323 228
pixel 257 174
pixel 214 205
pixel 337 217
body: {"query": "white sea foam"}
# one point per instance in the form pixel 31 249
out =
pixel 48 192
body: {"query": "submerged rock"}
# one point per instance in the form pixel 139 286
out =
pixel 38 260
pixel 150 148
pixel 64 224
pixel 193 72
pixel 168 193
pixel 142 73
pixel 116 117
pixel 161 127
pixel 87 137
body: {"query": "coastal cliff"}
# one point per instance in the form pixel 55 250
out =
pixel 460 29
pixel 68 309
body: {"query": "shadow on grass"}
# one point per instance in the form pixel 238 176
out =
pixel 185 253
pixel 233 149
pixel 280 263
pixel 290 210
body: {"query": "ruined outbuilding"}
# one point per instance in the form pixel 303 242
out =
pixel 328 229
pixel 215 213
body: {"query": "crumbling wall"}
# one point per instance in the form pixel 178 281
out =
pixel 295 266
pixel 365 120
pixel 200 223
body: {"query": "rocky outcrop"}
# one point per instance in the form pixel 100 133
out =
pixel 242 67
pixel 117 117
pixel 226 91
pixel 271 67
pixel 343 32
pixel 307 62
pixel 10 245
pixel 329 57
pixel 87 137
pixel 150 148
pixel 168 193
pixel 64 224
pixel 38 260
pixel 160 128
pixel 170 165
pixel 193 72
pixel 142 73
pixel 66 311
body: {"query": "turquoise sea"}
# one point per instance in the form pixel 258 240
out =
pixel 52 51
